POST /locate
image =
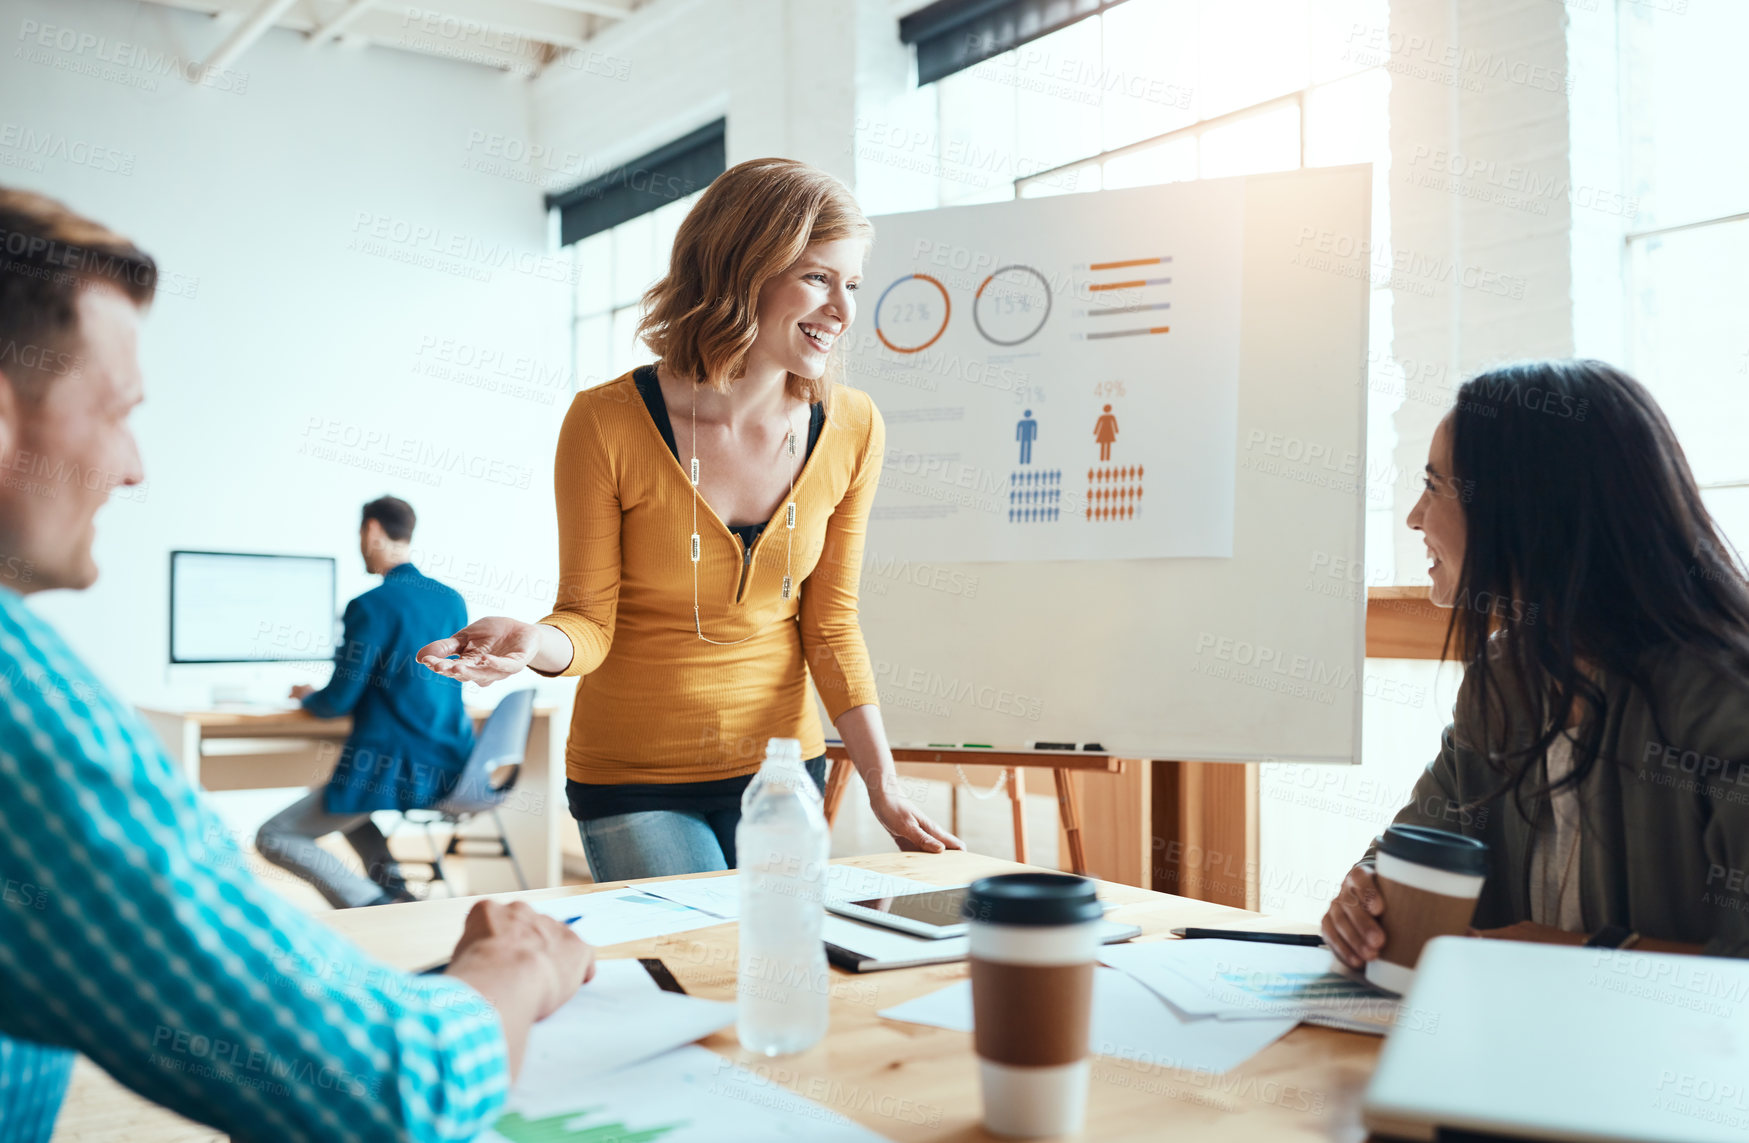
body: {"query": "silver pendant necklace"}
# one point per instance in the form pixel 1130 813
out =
pixel 789 520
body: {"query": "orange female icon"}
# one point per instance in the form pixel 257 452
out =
pixel 1105 432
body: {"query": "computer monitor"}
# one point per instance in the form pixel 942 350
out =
pixel 249 607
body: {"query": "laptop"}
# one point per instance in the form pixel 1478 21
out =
pixel 1510 1040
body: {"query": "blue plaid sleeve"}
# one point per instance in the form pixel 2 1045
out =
pixel 151 948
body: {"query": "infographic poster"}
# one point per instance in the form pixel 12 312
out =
pixel 1059 376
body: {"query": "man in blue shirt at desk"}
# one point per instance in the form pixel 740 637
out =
pixel 410 733
pixel 130 926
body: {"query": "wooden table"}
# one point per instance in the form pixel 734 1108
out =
pixel 905 1081
pixel 913 1083
pixel 264 750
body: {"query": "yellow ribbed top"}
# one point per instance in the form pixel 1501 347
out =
pixel 655 704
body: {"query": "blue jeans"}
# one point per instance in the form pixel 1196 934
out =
pixel 666 843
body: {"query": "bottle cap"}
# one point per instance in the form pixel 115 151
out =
pixel 783 750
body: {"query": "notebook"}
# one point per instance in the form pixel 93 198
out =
pixel 856 947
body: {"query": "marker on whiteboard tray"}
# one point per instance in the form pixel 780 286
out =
pixel 976 746
pixel 1053 746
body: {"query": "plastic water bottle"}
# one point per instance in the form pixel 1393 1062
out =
pixel 781 845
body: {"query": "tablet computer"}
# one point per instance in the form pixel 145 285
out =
pixel 933 913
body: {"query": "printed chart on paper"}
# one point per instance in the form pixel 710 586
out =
pixel 1059 376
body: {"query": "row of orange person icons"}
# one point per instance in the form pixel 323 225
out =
pixel 1128 492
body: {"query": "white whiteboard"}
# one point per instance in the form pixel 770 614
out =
pixel 1254 656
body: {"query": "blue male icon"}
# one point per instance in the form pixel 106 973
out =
pixel 1026 432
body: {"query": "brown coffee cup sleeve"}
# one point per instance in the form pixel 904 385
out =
pixel 1031 1015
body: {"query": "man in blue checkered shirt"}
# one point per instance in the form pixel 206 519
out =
pixel 130 929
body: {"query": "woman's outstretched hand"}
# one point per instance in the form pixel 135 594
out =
pixel 910 827
pixel 485 651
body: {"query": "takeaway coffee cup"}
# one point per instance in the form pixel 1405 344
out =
pixel 1033 941
pixel 1429 880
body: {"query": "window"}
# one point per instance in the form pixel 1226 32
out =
pixel 1688 295
pixel 613 269
pixel 619 228
pixel 1155 91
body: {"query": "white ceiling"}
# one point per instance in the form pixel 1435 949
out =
pixel 518 36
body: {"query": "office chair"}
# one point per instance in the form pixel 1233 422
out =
pixel 503 741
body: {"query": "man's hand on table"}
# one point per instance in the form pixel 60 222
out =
pixel 554 960
pixel 525 963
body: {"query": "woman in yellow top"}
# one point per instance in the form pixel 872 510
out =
pixel 712 510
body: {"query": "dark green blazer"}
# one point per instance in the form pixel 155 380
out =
pixel 1664 814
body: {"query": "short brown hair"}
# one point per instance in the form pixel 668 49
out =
pixel 750 225
pixel 47 254
pixel 394 514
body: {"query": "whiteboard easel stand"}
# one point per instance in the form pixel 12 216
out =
pixel 1118 851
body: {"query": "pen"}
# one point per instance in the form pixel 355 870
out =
pixel 437 969
pixel 1192 933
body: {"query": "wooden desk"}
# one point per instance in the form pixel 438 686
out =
pixel 294 748
pixel 904 1081
pixel 1307 1085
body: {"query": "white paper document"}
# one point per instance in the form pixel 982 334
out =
pixel 689 1095
pixel 1251 980
pixel 619 1018
pixel 1129 1022
pixel 613 916
pixel 721 896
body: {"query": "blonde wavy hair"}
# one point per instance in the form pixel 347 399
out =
pixel 750 225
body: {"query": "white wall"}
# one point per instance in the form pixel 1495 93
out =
pixel 335 260
pixel 782 71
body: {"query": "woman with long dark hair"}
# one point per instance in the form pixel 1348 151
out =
pixel 1600 742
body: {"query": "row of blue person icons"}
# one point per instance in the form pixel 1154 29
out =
pixel 1034 495
pixel 1040 515
pixel 1036 476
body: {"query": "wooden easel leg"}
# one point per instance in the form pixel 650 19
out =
pixel 1205 831
pixel 1017 800
pixel 836 779
pixel 1069 809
